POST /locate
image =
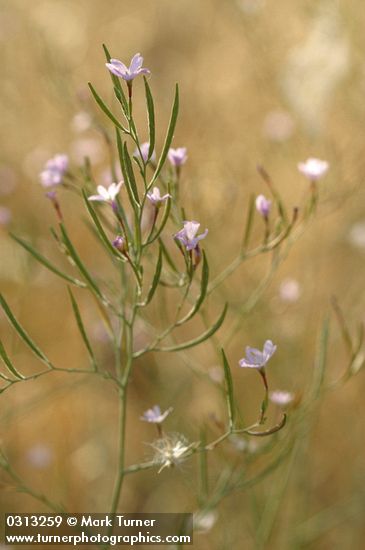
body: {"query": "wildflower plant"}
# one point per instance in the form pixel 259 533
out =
pixel 143 229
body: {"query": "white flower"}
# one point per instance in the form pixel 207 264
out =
pixel 204 520
pixel 313 168
pixel 106 194
pixel 289 290
pixel 281 398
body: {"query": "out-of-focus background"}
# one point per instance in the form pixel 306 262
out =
pixel 262 82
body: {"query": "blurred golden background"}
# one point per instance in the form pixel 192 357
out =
pixel 271 82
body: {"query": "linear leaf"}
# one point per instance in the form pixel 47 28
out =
pixel 23 334
pixel 106 109
pixel 132 198
pixel 202 294
pixel 165 217
pixel 99 228
pixel 199 339
pixel 116 82
pixel 167 256
pixel 229 390
pixel 130 173
pixel 41 259
pixel 169 136
pixel 82 330
pixel 151 118
pixel 156 278
pixel 119 94
pixel 79 263
pixel 8 363
pixel 248 227
pixel 321 361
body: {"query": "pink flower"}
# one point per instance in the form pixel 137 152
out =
pixel 5 215
pixel 178 156
pixel 54 171
pixel 263 206
pixel 256 359
pixel 187 235
pixel 127 73
pixel 313 168
pixel 145 148
pixel 155 197
pixel 155 416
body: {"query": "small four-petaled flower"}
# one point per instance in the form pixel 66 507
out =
pixel 128 73
pixel 154 415
pixel 313 168
pixel 188 235
pixel 178 156
pixel 54 170
pixel 106 194
pixel 155 197
pixel 143 152
pixel 256 359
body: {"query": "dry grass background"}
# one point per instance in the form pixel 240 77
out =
pixel 237 62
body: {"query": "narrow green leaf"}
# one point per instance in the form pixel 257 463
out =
pixel 167 256
pixel 105 109
pixel 130 173
pixel 82 330
pixel 202 294
pixel 8 363
pixel 203 469
pixel 169 136
pixel 99 228
pixel 249 224
pixel 42 260
pixel 229 391
pixel 321 361
pixel 164 220
pixel 151 118
pixel 207 334
pixel 79 263
pixel 115 79
pixel 133 200
pixel 119 94
pixel 23 334
pixel 156 278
